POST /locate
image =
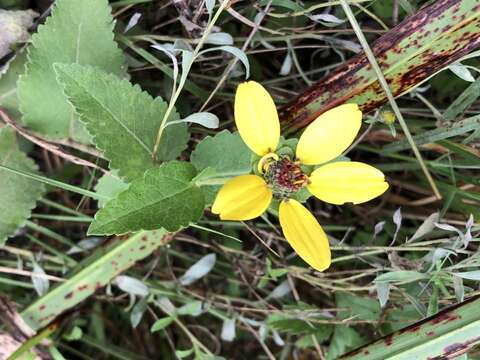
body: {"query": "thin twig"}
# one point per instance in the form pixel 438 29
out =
pixel 48 146
pixel 261 342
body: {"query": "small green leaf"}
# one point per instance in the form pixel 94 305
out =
pixel 109 186
pixel 131 285
pixel 219 38
pixel 226 153
pixel 77 32
pixel 122 119
pixel 8 84
pixel 198 270
pixel 362 308
pixel 164 197
pixel 205 119
pixel 75 334
pixel 287 4
pixel 16 189
pixel 183 353
pixel 344 339
pixel 239 54
pixel 469 275
pixel 193 308
pixel 401 276
pixel 161 323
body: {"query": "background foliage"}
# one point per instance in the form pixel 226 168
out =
pixel 82 105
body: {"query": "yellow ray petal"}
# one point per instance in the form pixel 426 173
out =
pixel 305 234
pixel 242 198
pixel 341 182
pixel 329 135
pixel 256 118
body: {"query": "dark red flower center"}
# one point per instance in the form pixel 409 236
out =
pixel 284 176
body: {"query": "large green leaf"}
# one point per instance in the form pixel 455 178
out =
pixel 18 195
pixel 76 32
pixel 164 198
pixel 97 271
pixel 122 119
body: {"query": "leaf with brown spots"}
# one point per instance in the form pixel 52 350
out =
pixel 408 54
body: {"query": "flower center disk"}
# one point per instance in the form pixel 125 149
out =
pixel 284 176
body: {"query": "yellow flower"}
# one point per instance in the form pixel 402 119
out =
pixel 247 196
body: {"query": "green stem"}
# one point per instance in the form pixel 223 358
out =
pixel 183 78
pixel 54 183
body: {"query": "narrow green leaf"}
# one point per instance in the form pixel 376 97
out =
pixel 22 192
pixel 443 336
pixel 99 269
pixel 427 137
pixel 401 276
pixel 222 156
pixel 361 308
pixel 469 275
pixel 76 32
pixel 164 198
pixel 226 153
pixel 122 119
pixel 239 54
pixel 463 102
pixel 161 324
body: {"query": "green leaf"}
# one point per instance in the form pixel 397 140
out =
pixel 401 276
pixel 225 152
pixel 8 84
pixel 76 32
pixel 320 335
pixel 161 323
pixel 19 194
pixel 224 155
pixel 463 102
pixel 438 337
pixel 344 339
pixel 122 119
pixel 193 308
pixel 287 4
pixel 94 273
pixel 361 308
pixel 290 324
pixel 183 353
pixel 109 186
pixel 164 197
pixel 426 137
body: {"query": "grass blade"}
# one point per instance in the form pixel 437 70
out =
pixel 449 333
pixel 98 270
pixel 407 54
